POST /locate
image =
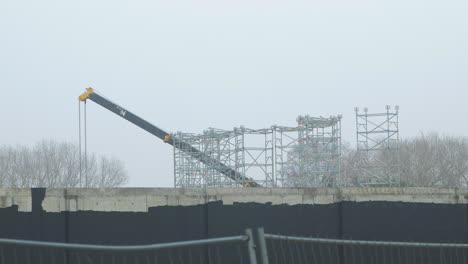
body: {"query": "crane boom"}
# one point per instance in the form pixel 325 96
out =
pixel 166 137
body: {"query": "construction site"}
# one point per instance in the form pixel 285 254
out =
pixel 234 132
pixel 242 196
pixel 301 156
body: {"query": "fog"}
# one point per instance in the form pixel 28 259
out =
pixel 190 65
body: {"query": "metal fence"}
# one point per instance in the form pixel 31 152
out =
pixel 290 249
pixel 232 249
pixel 249 248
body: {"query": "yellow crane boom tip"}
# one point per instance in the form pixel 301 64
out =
pixel 86 94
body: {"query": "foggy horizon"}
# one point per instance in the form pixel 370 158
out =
pixel 186 66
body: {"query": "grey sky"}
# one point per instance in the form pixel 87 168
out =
pixel 186 66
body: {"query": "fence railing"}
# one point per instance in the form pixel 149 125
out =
pixel 239 249
pixel 292 249
pixel 250 248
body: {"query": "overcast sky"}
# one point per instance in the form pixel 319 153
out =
pixel 190 65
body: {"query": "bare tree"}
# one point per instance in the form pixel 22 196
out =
pixel 424 161
pixel 350 159
pixel 110 172
pixel 434 160
pixel 53 164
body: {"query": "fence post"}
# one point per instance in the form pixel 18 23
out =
pixel 251 247
pixel 262 245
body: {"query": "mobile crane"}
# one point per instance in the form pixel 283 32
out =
pixel 166 137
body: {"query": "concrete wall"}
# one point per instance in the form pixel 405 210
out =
pixel 141 199
pixel 152 215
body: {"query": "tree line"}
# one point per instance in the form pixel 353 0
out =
pixel 55 164
pixel 428 160
pixel 423 161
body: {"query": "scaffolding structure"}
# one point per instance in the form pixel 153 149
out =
pixel 190 172
pixel 247 151
pixel 377 148
pixel 307 155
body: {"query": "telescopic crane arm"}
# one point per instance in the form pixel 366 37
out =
pixel 166 137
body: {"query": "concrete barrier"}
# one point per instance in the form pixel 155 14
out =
pixel 141 199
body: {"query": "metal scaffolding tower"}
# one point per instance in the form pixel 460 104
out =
pixel 187 170
pixel 257 155
pixel 309 155
pixel 302 156
pixel 253 160
pixel 377 148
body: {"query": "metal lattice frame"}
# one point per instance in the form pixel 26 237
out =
pixel 303 156
pixel 219 144
pixel 187 170
pixel 257 155
pixel 309 155
pixel 253 160
pixel 286 140
pixel 377 148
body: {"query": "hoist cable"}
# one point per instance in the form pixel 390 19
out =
pixel 85 147
pixel 79 138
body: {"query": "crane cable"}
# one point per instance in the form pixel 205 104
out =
pixel 85 146
pixel 79 137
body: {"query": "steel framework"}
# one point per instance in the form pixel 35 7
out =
pixel 229 147
pixel 377 148
pixel 309 155
pixel 302 156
